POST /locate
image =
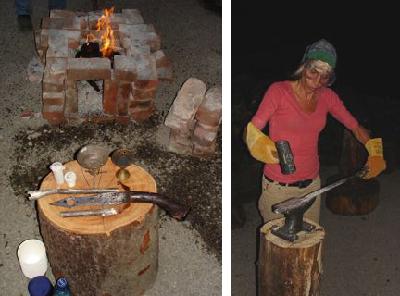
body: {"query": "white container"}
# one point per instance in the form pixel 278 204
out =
pixel 70 178
pixel 32 258
pixel 57 169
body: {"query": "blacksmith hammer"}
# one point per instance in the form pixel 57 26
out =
pixel 294 208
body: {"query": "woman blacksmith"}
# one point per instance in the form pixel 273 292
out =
pixel 296 111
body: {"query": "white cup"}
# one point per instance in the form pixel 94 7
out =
pixel 32 258
pixel 57 169
pixel 70 178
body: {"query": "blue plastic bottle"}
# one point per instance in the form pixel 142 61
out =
pixel 62 287
pixel 40 286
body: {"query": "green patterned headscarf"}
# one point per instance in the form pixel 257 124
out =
pixel 321 50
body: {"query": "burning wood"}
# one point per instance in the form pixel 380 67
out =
pixel 107 39
pixel 91 49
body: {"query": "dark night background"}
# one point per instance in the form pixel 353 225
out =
pixel 268 41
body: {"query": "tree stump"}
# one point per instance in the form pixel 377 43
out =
pixel 289 268
pixel 114 255
pixel 357 196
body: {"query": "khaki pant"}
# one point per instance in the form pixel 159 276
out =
pixel 273 193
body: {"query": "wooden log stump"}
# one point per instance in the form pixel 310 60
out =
pixel 114 255
pixel 289 268
pixel 355 197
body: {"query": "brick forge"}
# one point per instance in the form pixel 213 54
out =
pixel 129 83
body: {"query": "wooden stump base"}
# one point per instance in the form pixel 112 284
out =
pixel 289 268
pixel 99 256
pixel 356 197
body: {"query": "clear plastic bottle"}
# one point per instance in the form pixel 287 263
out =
pixel 62 287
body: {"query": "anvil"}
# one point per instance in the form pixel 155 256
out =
pixel 293 210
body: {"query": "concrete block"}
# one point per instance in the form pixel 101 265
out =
pixel 53 98
pixel 53 114
pixel 132 16
pixel 141 95
pixel 186 103
pixel 180 148
pixel 204 150
pixel 142 112
pixel 68 23
pixel 125 68
pixel 210 110
pixel 161 59
pixel 71 98
pixel 61 13
pixel 88 69
pixel 57 68
pixel 44 39
pixel 145 84
pixel 57 44
pixel 180 137
pixel 145 67
pixel 164 66
pixel 203 136
pixel 123 98
pixel 110 96
pixel 142 33
pixel 50 83
pixel 124 120
pixel 143 104
pixel 165 73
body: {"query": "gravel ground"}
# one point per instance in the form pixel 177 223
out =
pixel 190 251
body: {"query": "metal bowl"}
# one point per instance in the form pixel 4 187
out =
pixel 122 157
pixel 92 156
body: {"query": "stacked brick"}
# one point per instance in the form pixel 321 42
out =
pixel 208 120
pixel 130 81
pixel 194 119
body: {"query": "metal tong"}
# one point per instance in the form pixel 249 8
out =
pixel 174 209
pixel 36 194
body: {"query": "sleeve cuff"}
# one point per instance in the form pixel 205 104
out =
pixel 258 123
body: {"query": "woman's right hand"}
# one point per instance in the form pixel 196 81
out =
pixel 260 146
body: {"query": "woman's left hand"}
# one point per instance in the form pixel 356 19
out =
pixel 376 164
pixel 361 134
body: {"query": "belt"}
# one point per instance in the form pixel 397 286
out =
pixel 300 184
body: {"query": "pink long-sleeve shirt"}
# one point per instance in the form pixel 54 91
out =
pixel 287 121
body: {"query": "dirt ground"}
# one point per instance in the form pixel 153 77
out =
pixel 190 251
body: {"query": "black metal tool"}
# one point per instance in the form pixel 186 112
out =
pixel 293 210
pixel 286 160
pixel 175 209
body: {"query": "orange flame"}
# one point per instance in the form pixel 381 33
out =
pixel 107 38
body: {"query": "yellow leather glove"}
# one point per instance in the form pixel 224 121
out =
pixel 375 163
pixel 260 146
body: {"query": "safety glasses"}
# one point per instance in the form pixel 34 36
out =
pixel 313 72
